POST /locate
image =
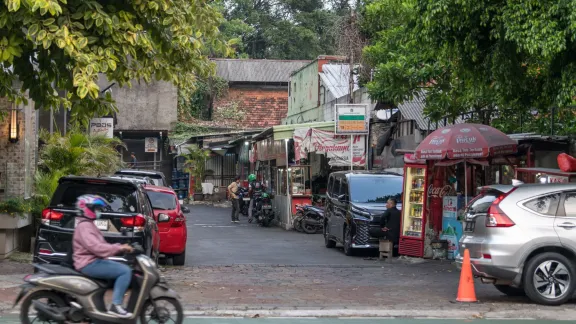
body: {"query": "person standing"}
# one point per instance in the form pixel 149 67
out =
pixel 390 224
pixel 255 190
pixel 232 190
pixel 133 160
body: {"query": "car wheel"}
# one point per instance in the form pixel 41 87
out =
pixel 179 259
pixel 327 241
pixel 348 250
pixel 549 279
pixel 510 290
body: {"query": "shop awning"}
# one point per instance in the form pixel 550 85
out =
pixel 281 132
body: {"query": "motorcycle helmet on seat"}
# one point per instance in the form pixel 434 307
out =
pixel 90 206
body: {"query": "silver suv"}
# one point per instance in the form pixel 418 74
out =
pixel 523 240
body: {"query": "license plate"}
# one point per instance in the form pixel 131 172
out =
pixel 246 199
pixel 469 226
pixel 266 207
pixel 101 224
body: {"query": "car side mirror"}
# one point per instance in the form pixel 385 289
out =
pixel 185 209
pixel 163 218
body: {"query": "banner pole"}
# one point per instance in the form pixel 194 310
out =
pixel 351 152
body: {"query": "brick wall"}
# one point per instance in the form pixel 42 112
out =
pixel 17 174
pixel 263 107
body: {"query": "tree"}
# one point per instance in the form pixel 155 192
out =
pixel 51 45
pixel 511 60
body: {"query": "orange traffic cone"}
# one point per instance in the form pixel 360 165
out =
pixel 466 293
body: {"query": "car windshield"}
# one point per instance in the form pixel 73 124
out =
pixel 162 200
pixel 375 189
pixel 121 198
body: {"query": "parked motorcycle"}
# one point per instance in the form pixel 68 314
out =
pixel 309 219
pixel 60 294
pixel 244 200
pixel 263 209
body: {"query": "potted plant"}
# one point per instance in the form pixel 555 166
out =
pixel 196 166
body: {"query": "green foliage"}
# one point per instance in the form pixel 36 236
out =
pixel 197 103
pixel 183 131
pixel 509 58
pixel 196 165
pixel 77 153
pixel 14 206
pixel 66 44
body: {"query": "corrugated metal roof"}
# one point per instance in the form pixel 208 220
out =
pixel 414 110
pixel 234 70
pixel 335 78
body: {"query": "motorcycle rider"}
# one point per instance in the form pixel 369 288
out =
pixel 255 190
pixel 91 251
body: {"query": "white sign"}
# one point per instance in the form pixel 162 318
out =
pixel 336 147
pixel 352 119
pixel 102 127
pixel 151 145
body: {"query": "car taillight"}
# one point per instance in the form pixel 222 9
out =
pixel 496 217
pixel 178 222
pixel 45 251
pixel 136 221
pixel 49 215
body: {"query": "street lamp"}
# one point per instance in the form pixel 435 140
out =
pixel 14 126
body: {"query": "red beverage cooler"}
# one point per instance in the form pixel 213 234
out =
pixel 413 210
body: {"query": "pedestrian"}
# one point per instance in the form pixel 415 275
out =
pixel 232 190
pixel 390 224
pixel 133 160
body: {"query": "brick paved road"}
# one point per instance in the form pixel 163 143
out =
pixel 247 268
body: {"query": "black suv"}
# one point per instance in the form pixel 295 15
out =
pixel 130 220
pixel 356 200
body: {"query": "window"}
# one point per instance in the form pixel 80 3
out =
pixel 546 205
pixel 330 186
pixel 375 189
pixel 482 202
pixel 570 204
pixel 120 198
pixel 162 200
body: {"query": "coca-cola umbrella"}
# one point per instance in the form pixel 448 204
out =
pixel 465 142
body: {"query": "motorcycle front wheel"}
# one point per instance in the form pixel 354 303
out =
pixel 164 310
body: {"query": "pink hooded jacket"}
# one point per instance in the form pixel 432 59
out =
pixel 89 245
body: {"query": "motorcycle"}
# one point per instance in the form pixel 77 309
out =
pixel 72 297
pixel 263 209
pixel 244 200
pixel 309 219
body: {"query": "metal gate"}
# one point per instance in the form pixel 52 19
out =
pixel 221 170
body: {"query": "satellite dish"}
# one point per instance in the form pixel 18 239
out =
pixel 383 114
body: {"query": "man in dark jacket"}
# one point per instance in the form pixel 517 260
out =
pixel 390 223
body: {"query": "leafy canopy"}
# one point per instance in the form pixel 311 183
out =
pixel 64 45
pixel 514 57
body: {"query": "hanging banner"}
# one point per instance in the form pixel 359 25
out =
pixel 102 127
pixel 336 147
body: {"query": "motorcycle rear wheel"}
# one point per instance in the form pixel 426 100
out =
pixel 297 223
pixel 164 315
pixel 26 305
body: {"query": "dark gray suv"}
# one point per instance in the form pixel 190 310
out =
pixel 355 202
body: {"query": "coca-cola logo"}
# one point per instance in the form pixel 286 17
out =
pixel 437 140
pixel 439 192
pixel 465 139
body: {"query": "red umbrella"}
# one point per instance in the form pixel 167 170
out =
pixel 465 141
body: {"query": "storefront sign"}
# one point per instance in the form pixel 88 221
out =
pixel 352 119
pixel 451 227
pixel 439 192
pixel 102 127
pixel 336 147
pixel 151 145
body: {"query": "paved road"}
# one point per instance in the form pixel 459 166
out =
pixel 213 240
pixel 220 320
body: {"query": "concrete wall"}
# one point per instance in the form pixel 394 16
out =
pixel 151 106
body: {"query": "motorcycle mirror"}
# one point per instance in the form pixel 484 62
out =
pixel 185 210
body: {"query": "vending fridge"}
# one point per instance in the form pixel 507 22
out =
pixel 413 210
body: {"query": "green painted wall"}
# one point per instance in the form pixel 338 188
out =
pixel 303 98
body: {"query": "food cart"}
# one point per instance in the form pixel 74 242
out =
pixel 544 175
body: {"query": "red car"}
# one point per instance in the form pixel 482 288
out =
pixel 171 222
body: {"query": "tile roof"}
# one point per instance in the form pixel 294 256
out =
pixel 238 70
pixel 335 77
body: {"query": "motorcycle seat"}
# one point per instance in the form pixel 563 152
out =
pixel 56 269
pixel 317 209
